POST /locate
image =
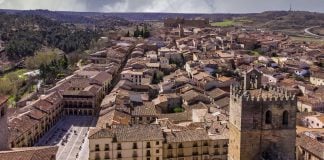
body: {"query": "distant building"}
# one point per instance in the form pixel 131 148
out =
pixel 317 78
pixel 316 121
pixel 171 22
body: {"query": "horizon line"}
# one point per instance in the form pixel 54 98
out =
pixel 162 12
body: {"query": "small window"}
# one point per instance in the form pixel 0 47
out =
pixel 119 155
pixel 97 147
pixel 285 118
pixel 268 119
pixel 119 147
pixel 157 143
pixel 106 147
pixel 134 145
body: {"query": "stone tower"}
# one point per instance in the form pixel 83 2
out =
pixel 4 131
pixel 181 31
pixel 262 121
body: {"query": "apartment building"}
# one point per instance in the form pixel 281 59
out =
pixel 123 142
pixel 27 125
pixel 150 142
pixel 193 145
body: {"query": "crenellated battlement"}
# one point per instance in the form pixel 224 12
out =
pixel 265 94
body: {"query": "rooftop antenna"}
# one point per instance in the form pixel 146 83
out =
pixel 290 8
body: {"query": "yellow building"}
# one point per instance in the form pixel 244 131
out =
pixel 194 145
pixel 28 124
pixel 149 142
pixel 126 143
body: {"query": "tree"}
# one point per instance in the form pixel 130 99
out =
pixel 64 62
pixel 137 32
pixel 142 32
pixel 146 32
pixel 127 34
pixel 178 110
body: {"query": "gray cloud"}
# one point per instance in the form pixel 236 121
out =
pixel 177 6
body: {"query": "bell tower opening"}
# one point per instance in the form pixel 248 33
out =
pixel 252 79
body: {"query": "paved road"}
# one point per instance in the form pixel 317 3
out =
pixel 307 30
pixel 70 134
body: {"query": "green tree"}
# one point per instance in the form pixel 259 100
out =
pixel 142 33
pixel 137 32
pixel 127 34
pixel 64 62
pixel 178 110
pixel 146 32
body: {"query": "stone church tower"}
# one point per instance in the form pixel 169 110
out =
pixel 181 31
pixel 4 131
pixel 262 121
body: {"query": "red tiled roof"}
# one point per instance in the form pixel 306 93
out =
pixel 32 153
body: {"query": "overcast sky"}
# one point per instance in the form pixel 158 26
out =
pixel 175 6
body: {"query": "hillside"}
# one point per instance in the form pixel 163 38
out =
pixel 74 17
pixel 25 34
pixel 288 19
pixel 22 33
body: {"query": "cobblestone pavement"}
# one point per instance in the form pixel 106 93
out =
pixel 70 135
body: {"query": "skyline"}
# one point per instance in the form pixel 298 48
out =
pixel 165 6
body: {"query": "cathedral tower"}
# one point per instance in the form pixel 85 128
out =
pixel 262 121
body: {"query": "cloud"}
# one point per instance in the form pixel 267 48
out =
pixel 176 6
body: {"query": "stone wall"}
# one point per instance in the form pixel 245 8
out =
pixel 251 137
pixel 4 132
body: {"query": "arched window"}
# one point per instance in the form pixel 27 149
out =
pixel 268 119
pixel 285 118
